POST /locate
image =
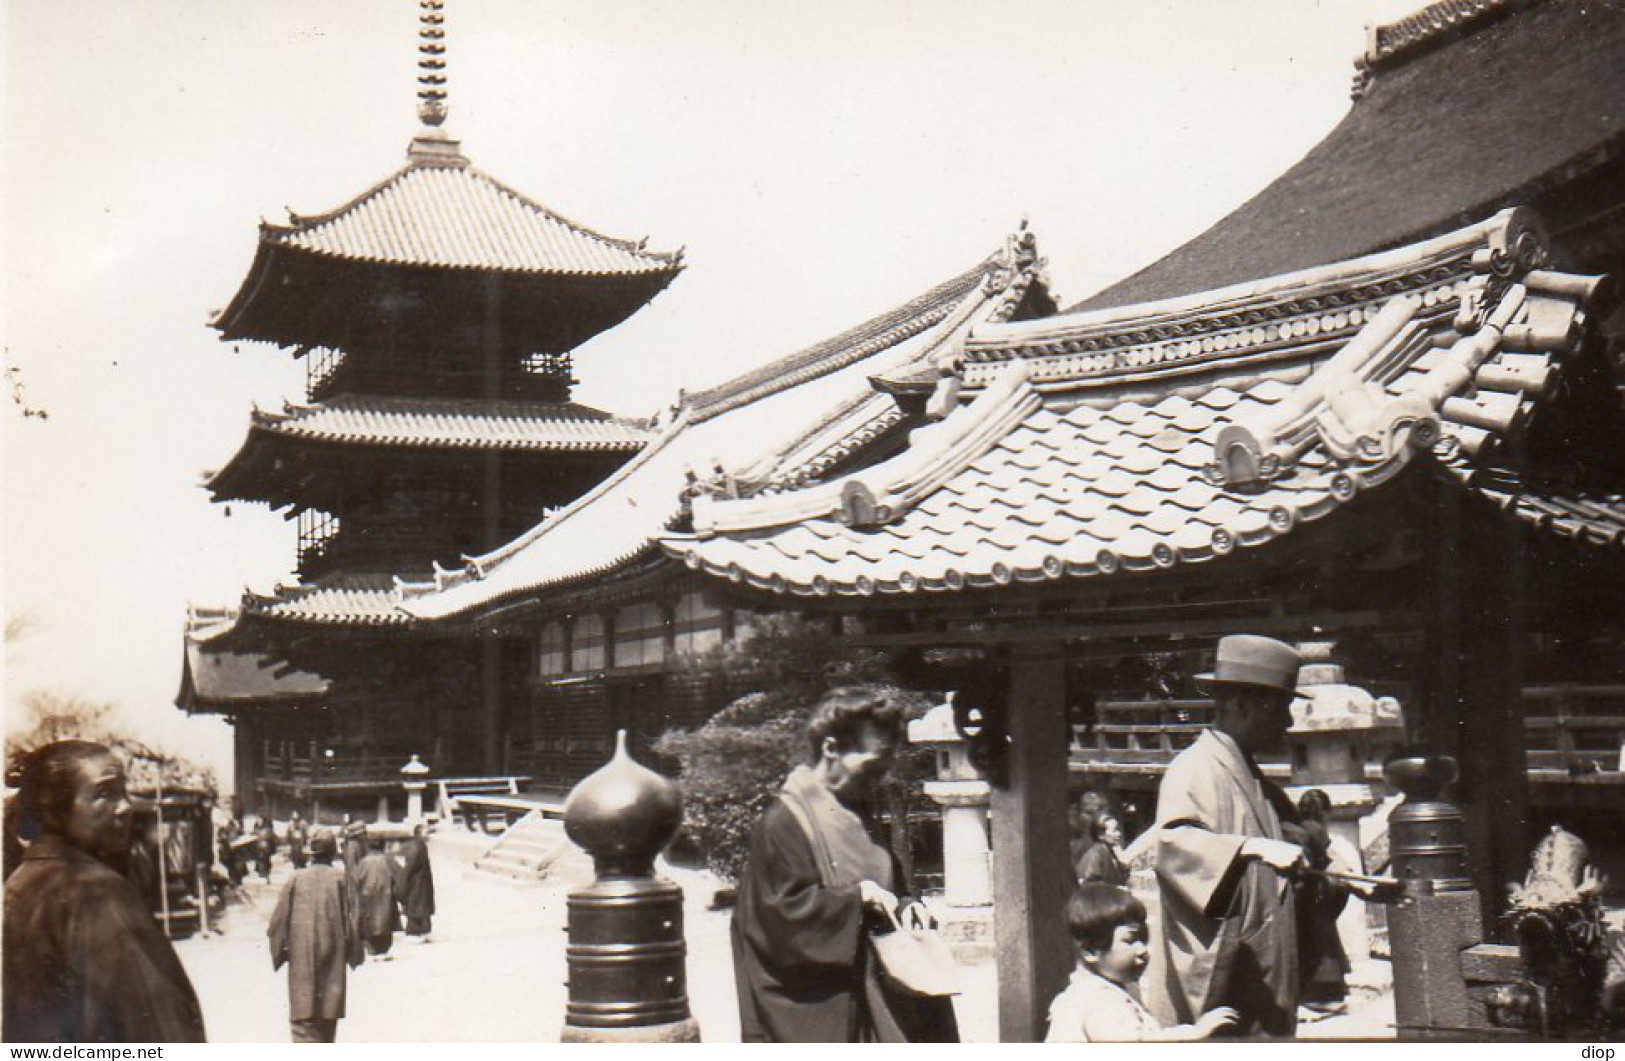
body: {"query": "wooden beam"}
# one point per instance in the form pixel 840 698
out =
pixel 1054 633
pixel 1032 873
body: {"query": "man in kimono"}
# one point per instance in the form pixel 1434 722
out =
pixel 415 889
pixel 1228 925
pixel 375 899
pixel 817 884
pixel 84 959
pixel 314 932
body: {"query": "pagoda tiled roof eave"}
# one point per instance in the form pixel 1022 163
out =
pixel 438 247
pixel 1018 488
pixel 356 601
pixel 219 676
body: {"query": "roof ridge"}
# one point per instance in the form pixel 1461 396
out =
pixel 298 222
pixel 1436 24
pixel 794 368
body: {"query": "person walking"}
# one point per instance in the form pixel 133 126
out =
pixel 298 839
pixel 265 834
pixel 815 887
pixel 416 886
pixel 375 901
pixel 314 932
pixel 1229 921
pixel 84 959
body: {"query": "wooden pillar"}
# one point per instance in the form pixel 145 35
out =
pixel 1032 875
pixel 491 704
pixel 1472 703
pixel 247 757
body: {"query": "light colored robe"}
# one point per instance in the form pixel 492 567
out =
pixel 1227 926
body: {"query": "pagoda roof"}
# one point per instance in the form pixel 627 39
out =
pixel 1463 108
pixel 759 416
pixel 420 424
pixel 1179 432
pixel 215 678
pixel 398 260
pixel 447 213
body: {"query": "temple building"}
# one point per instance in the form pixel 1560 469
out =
pixel 436 314
pixel 1377 410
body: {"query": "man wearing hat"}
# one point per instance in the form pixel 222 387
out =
pixel 1227 933
pixel 315 931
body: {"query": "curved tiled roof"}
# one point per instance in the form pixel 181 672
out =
pixel 456 423
pixel 451 215
pixel 214 677
pixel 761 412
pixel 343 600
pixel 1086 466
pixel 1454 125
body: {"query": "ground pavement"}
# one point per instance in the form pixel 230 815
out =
pixel 496 973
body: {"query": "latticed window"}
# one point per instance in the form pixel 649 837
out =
pixel 640 635
pixel 698 623
pixel 320 364
pixel 316 530
pixel 587 644
pixel 552 656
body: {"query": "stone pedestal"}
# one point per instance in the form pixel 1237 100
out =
pixel 966 916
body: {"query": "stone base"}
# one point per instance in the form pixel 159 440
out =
pixel 683 1031
pixel 968 931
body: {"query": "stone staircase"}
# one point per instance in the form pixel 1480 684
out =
pixel 533 849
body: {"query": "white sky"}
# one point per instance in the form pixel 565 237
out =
pixel 820 162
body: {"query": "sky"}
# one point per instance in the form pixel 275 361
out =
pixel 818 163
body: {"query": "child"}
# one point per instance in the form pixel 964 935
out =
pixel 1100 1005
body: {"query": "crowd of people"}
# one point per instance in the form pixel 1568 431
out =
pixel 86 960
pixel 1245 932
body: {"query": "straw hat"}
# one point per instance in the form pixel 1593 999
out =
pixel 1248 659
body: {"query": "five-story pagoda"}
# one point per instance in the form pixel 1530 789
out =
pixel 436 314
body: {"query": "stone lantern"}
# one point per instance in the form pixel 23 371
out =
pixel 626 951
pixel 412 779
pixel 1337 729
pixel 962 792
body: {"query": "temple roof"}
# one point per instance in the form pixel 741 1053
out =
pixel 752 420
pixel 214 678
pixel 1465 107
pixel 410 258
pixel 420 424
pixel 441 211
pixel 1181 431
pixel 337 600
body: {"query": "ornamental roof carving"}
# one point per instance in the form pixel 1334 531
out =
pixel 1079 462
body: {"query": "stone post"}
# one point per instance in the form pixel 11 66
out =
pixel 626 952
pixel 962 793
pixel 412 779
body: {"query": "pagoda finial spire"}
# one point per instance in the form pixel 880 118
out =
pixel 432 62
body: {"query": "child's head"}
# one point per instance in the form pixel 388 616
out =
pixel 1108 924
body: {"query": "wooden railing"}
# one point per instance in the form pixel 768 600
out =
pixel 1576 728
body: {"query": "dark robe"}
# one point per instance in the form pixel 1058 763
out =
pixel 802 963
pixel 375 896
pixel 84 960
pixel 314 931
pixel 1100 864
pixel 416 890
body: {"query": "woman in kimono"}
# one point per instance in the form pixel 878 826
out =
pixel 84 959
pixel 1102 863
pixel 817 884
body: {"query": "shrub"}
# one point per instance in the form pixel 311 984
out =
pixel 734 764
